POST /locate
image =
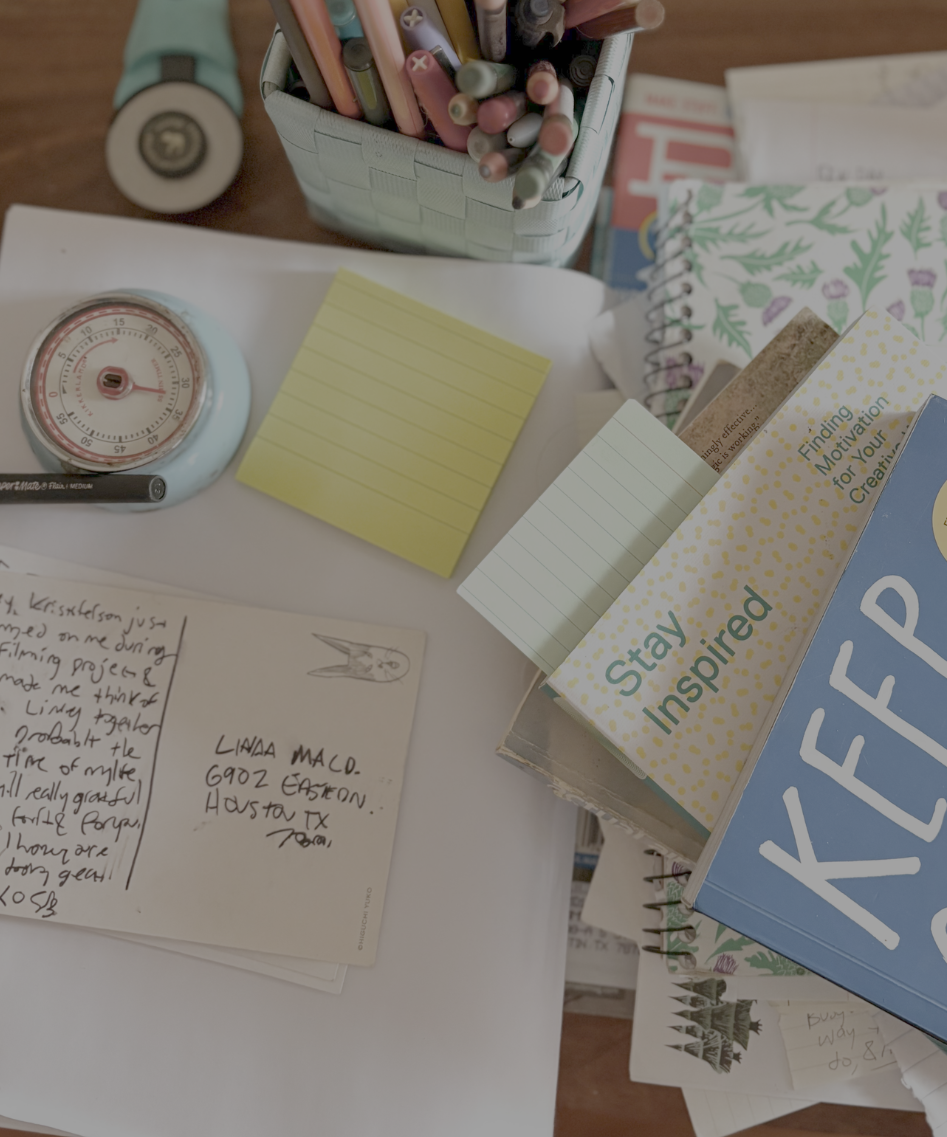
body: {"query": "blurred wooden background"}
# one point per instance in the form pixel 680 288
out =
pixel 60 61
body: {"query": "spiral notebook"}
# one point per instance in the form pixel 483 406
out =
pixel 738 261
pixel 694 945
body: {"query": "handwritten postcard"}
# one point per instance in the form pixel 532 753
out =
pixel 199 771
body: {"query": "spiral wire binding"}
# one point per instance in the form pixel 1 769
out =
pixel 657 360
pixel 659 904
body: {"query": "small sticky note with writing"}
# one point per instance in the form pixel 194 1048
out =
pixel 564 563
pixel 831 1042
pixel 394 422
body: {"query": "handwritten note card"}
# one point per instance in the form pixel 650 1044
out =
pixel 566 560
pixel 832 1042
pixel 197 770
pixel 394 422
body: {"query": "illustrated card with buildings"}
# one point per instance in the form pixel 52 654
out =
pixel 709 1033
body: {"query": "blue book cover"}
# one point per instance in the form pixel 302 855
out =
pixel 836 853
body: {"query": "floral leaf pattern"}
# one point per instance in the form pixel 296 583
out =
pixel 774 964
pixel 729 327
pixel 757 254
pixel 735 943
pixel 801 277
pixel 821 220
pixel 866 271
pixel 758 261
pixel 709 236
pixel 770 196
pixel 915 227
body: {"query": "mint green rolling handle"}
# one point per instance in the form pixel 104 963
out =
pixel 175 143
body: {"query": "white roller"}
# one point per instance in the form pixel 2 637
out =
pixel 200 128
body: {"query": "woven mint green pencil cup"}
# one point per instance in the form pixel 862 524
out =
pixel 414 197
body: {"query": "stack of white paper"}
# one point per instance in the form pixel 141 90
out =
pixel 749 1078
pixel 445 1033
pixel 871 119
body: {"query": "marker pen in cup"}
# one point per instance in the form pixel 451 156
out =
pixel 500 112
pixel 357 57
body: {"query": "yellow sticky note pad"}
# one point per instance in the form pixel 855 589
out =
pixel 394 422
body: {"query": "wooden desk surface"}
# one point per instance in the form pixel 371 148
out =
pixel 60 62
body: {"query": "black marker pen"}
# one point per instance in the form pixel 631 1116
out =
pixel 100 489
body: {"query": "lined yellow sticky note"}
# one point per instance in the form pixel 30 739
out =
pixel 394 422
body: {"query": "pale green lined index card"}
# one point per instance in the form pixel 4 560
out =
pixel 394 422
pixel 575 551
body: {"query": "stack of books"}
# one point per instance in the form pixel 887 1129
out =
pixel 739 630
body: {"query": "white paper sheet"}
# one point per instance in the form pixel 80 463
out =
pixel 923 1066
pixel 786 142
pixel 446 1033
pixel 913 80
pixel 616 338
pixel 319 975
pixel 191 769
pixel 596 957
pixel 718 1113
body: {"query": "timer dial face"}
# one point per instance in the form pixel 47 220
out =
pixel 115 383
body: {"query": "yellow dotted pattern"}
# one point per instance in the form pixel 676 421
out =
pixel 772 522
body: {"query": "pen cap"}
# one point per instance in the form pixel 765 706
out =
pixel 357 58
pixel 491 29
pixel 499 113
pixel 357 55
pixel 456 18
pixel 463 109
pixel 343 15
pixel 557 134
pixel 537 19
pixel 435 91
pixel 564 102
pixel 422 34
pixel 542 83
pixel 525 130
pixel 500 164
pixel 534 176
pixel 480 143
pixel 582 70
pixel 482 78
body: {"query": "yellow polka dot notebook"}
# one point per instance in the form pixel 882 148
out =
pixel 677 677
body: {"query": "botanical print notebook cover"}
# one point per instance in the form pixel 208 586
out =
pixel 759 253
